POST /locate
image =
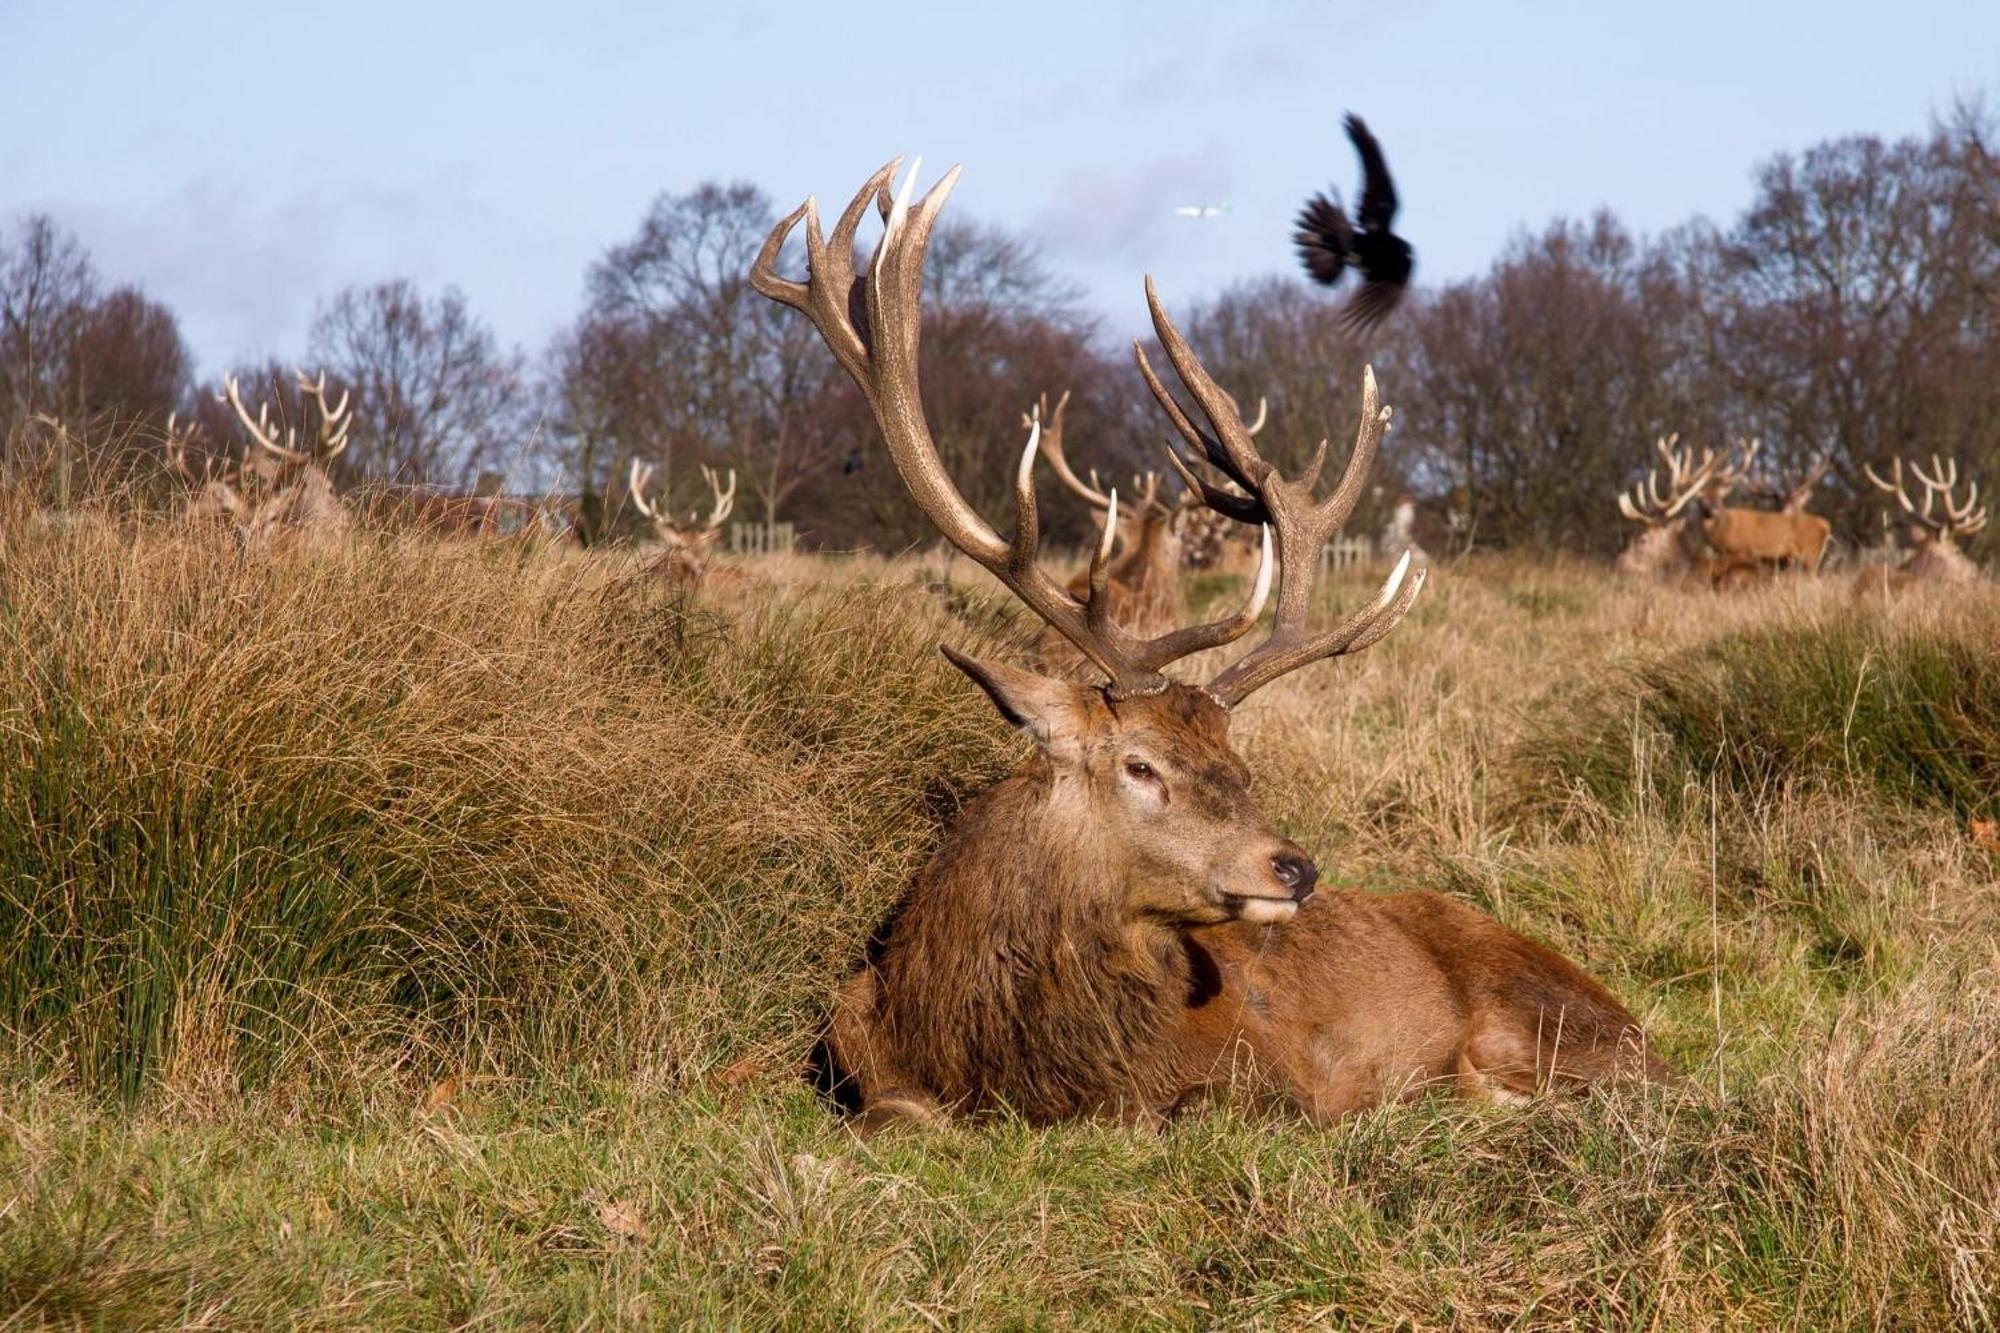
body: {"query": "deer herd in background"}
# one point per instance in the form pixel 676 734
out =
pixel 1687 533
pixel 281 484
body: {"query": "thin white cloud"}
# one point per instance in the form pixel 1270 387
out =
pixel 1120 214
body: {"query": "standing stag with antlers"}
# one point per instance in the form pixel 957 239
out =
pixel 1935 525
pixel 1752 542
pixel 1117 927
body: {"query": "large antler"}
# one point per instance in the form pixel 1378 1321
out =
pixel 872 324
pixel 1794 499
pixel 1733 468
pixel 1146 489
pixel 1687 477
pixel 1957 519
pixel 1303 524
pixel 723 497
pixel 334 423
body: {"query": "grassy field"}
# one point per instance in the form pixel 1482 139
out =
pixel 427 937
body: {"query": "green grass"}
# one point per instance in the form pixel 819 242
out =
pixel 1904 710
pixel 417 936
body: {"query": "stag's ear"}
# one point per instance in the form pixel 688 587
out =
pixel 1049 710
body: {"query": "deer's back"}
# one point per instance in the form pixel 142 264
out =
pixel 1363 995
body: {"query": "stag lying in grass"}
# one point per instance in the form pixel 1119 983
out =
pixel 276 487
pixel 684 564
pixel 1935 527
pixel 1668 546
pixel 1117 928
pixel 1143 581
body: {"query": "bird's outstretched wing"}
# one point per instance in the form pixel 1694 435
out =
pixel 1325 239
pixel 1378 192
pixel 1370 306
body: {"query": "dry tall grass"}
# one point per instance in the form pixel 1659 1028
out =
pixel 419 934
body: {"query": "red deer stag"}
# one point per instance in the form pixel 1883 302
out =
pixel 1116 928
pixel 281 487
pixel 1143 582
pixel 1751 542
pixel 688 545
pixel 1935 527
pixel 1668 547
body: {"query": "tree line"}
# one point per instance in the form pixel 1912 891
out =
pixel 1849 312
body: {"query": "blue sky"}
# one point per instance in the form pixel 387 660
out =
pixel 242 161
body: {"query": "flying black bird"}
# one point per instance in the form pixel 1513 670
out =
pixel 1329 245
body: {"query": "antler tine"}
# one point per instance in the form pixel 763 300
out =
pixel 725 499
pixel 334 422
pixel 637 478
pixel 1230 448
pixel 872 321
pixel 1232 504
pixel 1896 464
pixel 1052 451
pixel 260 428
pixel 1303 527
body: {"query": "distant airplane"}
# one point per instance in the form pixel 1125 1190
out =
pixel 1201 212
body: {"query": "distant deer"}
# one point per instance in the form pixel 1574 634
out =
pixel 1143 581
pixel 277 487
pixel 1669 546
pixel 1758 540
pixel 1935 526
pixel 688 545
pixel 1116 928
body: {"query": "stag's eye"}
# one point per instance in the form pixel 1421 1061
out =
pixel 1141 770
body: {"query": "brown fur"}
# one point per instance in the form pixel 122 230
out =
pixel 1797 540
pixel 1084 944
pixel 1935 558
pixel 1663 552
pixel 269 498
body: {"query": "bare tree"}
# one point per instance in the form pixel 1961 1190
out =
pixel 47 287
pixel 128 362
pixel 435 397
pixel 704 371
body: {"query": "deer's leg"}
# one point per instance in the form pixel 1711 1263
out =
pixel 866 1072
pixel 1506 1059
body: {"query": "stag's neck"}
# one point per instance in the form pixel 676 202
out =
pixel 1010 977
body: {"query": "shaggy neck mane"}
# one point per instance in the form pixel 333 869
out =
pixel 1013 979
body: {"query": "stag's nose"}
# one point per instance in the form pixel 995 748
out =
pixel 1296 873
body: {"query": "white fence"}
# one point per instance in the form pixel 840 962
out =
pixel 760 538
pixel 1346 553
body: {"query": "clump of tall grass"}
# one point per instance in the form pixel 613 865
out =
pixel 1903 708
pixel 416 803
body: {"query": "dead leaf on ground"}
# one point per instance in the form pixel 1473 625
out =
pixel 623 1218
pixel 1985 834
pixel 443 1094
